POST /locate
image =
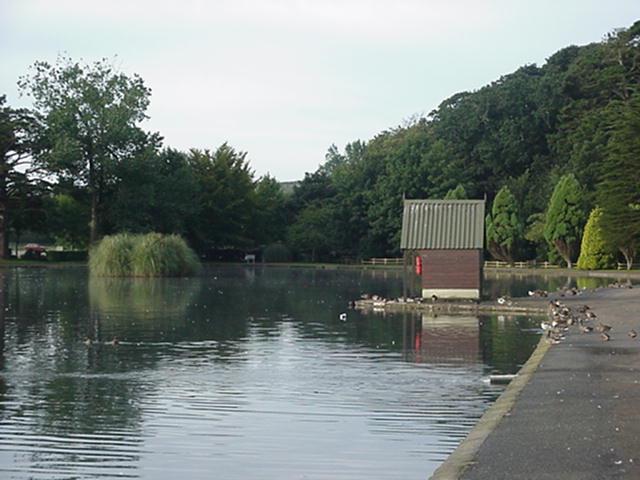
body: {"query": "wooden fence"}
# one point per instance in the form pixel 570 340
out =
pixel 382 261
pixel 529 264
pixel 492 264
pixel 623 266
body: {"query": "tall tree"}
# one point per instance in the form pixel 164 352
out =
pixel 163 188
pixel 90 118
pixel 226 197
pixel 504 229
pixel 619 190
pixel 270 218
pixel 565 218
pixel 595 253
pixel 16 128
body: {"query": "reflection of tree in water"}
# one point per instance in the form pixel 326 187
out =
pixel 70 415
pixel 507 341
pixel 516 284
pixel 185 317
pixel 154 300
pixel 3 384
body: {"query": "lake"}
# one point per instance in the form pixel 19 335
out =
pixel 244 372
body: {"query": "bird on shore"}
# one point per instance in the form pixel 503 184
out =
pixel 538 293
pixel 582 309
pixel 605 336
pixel 603 328
pixel 586 329
pixel 632 333
pixel 343 317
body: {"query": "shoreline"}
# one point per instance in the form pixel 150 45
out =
pixel 557 399
pixel 462 457
pixel 552 272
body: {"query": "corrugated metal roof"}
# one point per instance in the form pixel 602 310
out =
pixel 440 224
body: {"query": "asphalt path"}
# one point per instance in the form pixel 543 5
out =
pixel 578 417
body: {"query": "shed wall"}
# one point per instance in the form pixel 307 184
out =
pixel 451 269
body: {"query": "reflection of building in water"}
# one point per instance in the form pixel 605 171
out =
pixel 3 288
pixel 445 339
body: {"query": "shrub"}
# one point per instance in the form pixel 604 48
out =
pixel 594 252
pixel 276 252
pixel 112 256
pixel 150 255
pixel 156 255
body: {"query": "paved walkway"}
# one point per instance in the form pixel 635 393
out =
pixel 577 416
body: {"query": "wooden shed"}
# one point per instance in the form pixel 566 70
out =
pixel 445 240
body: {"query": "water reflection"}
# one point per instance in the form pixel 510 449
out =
pixel 518 284
pixel 209 371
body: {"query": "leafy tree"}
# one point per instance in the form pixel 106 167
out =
pixel 270 220
pixel 503 226
pixel 312 233
pixel 565 218
pixel 163 188
pixel 16 128
pixel 619 190
pixel 67 220
pixel 595 253
pixel 226 198
pixel 90 123
pixel 458 193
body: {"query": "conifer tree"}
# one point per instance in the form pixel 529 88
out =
pixel 619 190
pixel 595 253
pixel 503 226
pixel 565 218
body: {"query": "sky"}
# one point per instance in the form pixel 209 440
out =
pixel 284 79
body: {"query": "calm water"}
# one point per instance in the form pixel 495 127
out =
pixel 244 373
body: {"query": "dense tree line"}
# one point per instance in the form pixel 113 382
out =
pixel 545 145
pixel 571 125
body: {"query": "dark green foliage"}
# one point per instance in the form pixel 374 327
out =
pixel 595 253
pixel 458 193
pixel 16 189
pixel 150 255
pixel 67 255
pixel 565 218
pixel 503 227
pixel 90 116
pixel 270 218
pixel 312 235
pixel 225 198
pixel 619 190
pixel 276 252
pixel 68 220
pixel 163 188
pixel 575 115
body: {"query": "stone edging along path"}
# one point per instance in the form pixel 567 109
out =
pixel 462 456
pixel 572 411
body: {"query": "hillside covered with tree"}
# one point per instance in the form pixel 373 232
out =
pixel 576 118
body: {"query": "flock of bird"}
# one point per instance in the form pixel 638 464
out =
pixel 561 317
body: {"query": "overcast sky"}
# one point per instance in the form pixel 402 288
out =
pixel 284 79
